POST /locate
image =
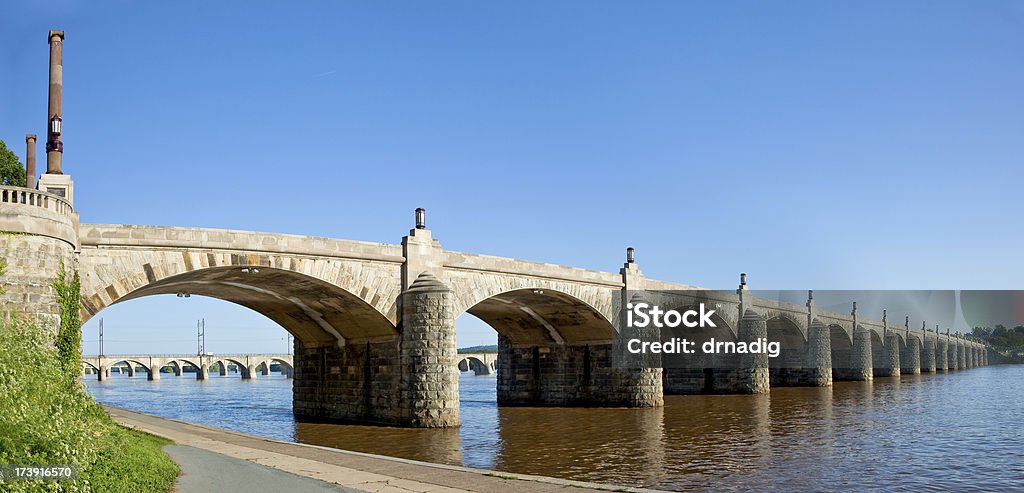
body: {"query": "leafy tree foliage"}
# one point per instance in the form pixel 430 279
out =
pixel 12 172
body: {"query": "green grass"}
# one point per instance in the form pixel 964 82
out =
pixel 47 418
pixel 131 461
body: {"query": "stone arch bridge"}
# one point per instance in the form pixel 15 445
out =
pixel 374 322
pixel 249 365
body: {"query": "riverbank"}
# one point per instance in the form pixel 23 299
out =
pixel 355 470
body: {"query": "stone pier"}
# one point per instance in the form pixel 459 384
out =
pixel 942 362
pixel 910 357
pixel 928 355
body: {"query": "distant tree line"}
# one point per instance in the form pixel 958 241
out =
pixel 1000 336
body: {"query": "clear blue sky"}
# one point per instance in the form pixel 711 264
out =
pixel 826 145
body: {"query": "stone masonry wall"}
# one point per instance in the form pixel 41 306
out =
pixel 357 382
pixel 32 264
pixel 562 375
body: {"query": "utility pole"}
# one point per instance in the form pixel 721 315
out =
pixel 101 337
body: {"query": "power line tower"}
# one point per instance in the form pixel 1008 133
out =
pixel 200 336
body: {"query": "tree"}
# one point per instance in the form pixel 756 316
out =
pixel 12 172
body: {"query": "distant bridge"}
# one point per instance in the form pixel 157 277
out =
pixel 479 363
pixel 248 364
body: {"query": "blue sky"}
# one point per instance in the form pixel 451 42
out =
pixel 825 145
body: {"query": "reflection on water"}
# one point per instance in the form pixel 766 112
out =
pixel 927 432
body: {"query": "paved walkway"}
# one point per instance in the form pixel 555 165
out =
pixel 274 465
pixel 202 470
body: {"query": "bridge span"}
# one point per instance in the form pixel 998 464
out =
pixel 374 323
pixel 248 365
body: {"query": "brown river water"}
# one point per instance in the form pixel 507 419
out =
pixel 960 431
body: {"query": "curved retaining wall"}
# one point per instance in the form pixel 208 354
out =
pixel 38 231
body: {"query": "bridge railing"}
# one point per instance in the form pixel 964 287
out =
pixel 35 198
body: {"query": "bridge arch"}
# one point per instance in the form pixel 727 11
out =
pixel 285 365
pixel 133 364
pixel 315 311
pixel 787 368
pixel 90 365
pixel 475 365
pixel 172 363
pixel 193 363
pixel 242 369
pixel 543 316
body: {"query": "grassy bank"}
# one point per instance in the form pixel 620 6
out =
pixel 47 417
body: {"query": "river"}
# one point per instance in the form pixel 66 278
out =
pixel 956 431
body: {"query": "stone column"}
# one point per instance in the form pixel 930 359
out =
pixel 910 360
pixel 941 353
pixel 928 360
pixel 861 364
pixel 753 371
pixel 891 365
pixel 818 367
pixel 103 373
pixel 30 161
pixel 430 385
pixel 54 145
pixel 961 360
pixel 154 373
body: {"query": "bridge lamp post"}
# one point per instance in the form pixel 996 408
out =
pixel 421 218
pixel 630 255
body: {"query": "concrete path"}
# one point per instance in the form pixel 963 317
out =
pixel 329 467
pixel 205 471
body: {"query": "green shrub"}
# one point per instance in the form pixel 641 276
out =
pixel 47 417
